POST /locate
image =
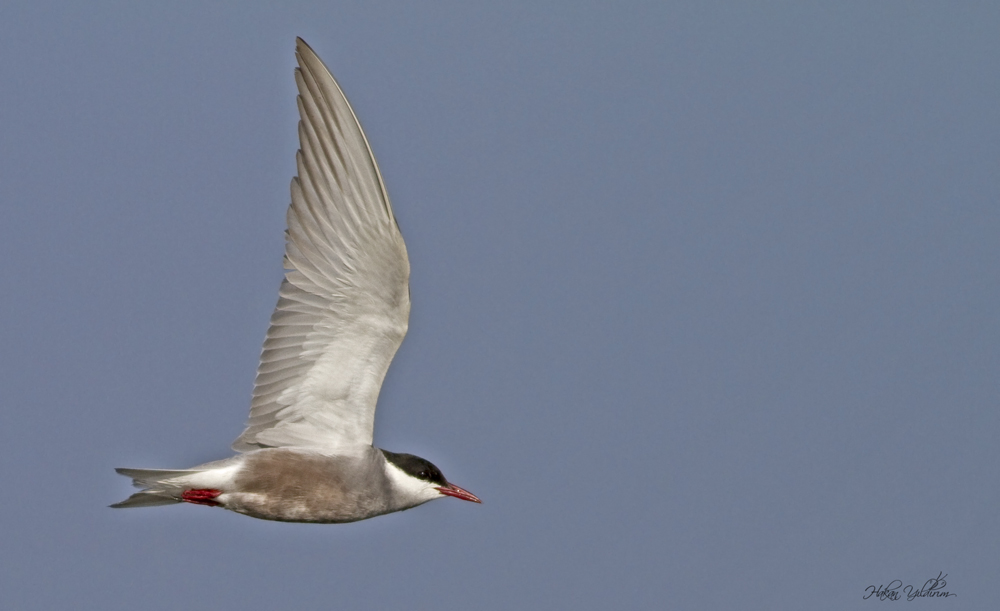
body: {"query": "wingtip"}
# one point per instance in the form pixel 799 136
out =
pixel 301 45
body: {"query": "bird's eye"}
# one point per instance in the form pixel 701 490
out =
pixel 423 474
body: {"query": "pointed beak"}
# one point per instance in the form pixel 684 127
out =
pixel 458 493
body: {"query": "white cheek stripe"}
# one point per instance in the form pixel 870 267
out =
pixel 410 486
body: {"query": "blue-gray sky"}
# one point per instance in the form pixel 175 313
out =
pixel 705 299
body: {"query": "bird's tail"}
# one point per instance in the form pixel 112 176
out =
pixel 159 486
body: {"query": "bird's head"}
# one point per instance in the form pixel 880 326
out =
pixel 420 480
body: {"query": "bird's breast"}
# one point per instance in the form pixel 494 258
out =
pixel 298 486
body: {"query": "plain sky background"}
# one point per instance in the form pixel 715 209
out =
pixel 705 299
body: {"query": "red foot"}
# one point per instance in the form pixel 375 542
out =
pixel 201 497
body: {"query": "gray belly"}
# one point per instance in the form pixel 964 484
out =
pixel 297 486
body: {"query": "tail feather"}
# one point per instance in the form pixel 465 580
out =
pixel 167 486
pixel 146 498
pixel 157 489
pixel 148 478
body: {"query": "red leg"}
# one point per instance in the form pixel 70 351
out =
pixel 201 497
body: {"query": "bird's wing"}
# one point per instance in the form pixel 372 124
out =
pixel 344 303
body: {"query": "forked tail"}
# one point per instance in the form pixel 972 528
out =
pixel 160 487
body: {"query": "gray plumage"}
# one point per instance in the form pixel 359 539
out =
pixel 343 308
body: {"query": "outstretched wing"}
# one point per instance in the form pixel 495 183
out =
pixel 344 303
